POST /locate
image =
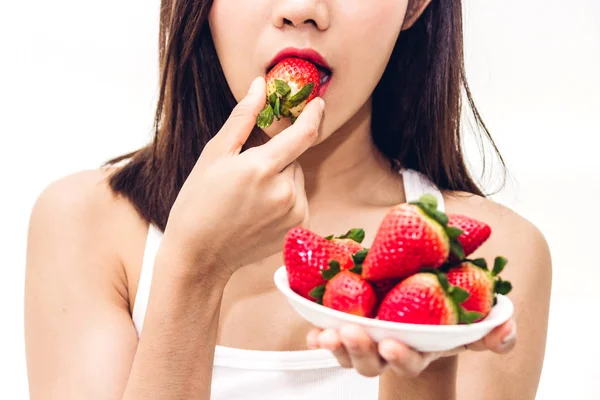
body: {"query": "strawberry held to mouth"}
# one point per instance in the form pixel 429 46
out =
pixel 291 84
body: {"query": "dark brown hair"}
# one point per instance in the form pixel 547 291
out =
pixel 416 106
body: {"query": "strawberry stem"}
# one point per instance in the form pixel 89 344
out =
pixel 356 234
pixel 265 117
pixel 302 95
pixel 428 203
pixel 499 264
pixel 457 295
pixel 317 293
pixel 334 269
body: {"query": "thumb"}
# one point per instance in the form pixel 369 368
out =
pixel 239 125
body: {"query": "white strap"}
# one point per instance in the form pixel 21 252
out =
pixel 143 291
pixel 416 184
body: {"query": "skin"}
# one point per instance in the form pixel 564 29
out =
pixel 85 245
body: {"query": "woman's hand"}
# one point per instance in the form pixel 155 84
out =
pixel 236 206
pixel 353 348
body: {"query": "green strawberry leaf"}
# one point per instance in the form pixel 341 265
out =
pixel 443 280
pixel 499 265
pixel 502 287
pixel 282 88
pixel 454 232
pixel 302 95
pixel 440 217
pixel 334 269
pixel 429 201
pixel 359 256
pixel 459 295
pixel 480 262
pixel 285 111
pixel 468 317
pixel 457 249
pixel 357 269
pixel 277 110
pixel 265 117
pixel 317 293
pixel 356 234
pixel 272 99
pixel 329 237
pixel 293 119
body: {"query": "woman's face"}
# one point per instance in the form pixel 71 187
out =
pixel 355 37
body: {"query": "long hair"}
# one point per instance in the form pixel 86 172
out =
pixel 417 106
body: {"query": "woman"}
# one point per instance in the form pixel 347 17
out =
pixel 182 237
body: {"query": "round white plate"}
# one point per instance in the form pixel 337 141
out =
pixel 425 338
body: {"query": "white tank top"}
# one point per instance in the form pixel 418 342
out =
pixel 240 374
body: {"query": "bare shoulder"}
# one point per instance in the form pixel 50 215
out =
pixel 529 269
pixel 79 217
pixel 514 237
pixel 509 229
pixel 77 289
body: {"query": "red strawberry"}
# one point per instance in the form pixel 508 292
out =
pixel 349 293
pixel 291 84
pixel 425 298
pixel 482 284
pixel 305 255
pixel 382 288
pixel 411 236
pixel 345 246
pixel 475 232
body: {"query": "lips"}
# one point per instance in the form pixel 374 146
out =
pixel 325 71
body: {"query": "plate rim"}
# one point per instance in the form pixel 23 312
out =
pixel 505 304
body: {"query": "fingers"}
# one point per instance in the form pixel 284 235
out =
pixel 362 350
pixel 403 360
pixel 353 348
pixel 287 146
pixel 239 125
pixel 500 340
pixel 330 340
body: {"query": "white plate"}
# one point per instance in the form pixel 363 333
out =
pixel 425 338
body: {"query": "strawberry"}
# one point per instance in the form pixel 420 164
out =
pixel 475 233
pixel 426 298
pixel 382 288
pixel 350 293
pixel 291 84
pixel 305 254
pixel 344 247
pixel 482 284
pixel 411 236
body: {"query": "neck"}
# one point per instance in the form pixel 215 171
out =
pixel 347 166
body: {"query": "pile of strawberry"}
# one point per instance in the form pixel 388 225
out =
pixel 416 270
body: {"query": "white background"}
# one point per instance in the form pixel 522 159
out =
pixel 78 85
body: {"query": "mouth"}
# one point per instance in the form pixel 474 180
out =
pixel 325 71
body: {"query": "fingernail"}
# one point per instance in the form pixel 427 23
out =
pixel 511 336
pixel 254 85
pixel 322 104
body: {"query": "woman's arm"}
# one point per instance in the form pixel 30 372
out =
pixel 514 375
pixel 80 339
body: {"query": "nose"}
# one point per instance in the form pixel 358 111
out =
pixel 301 13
